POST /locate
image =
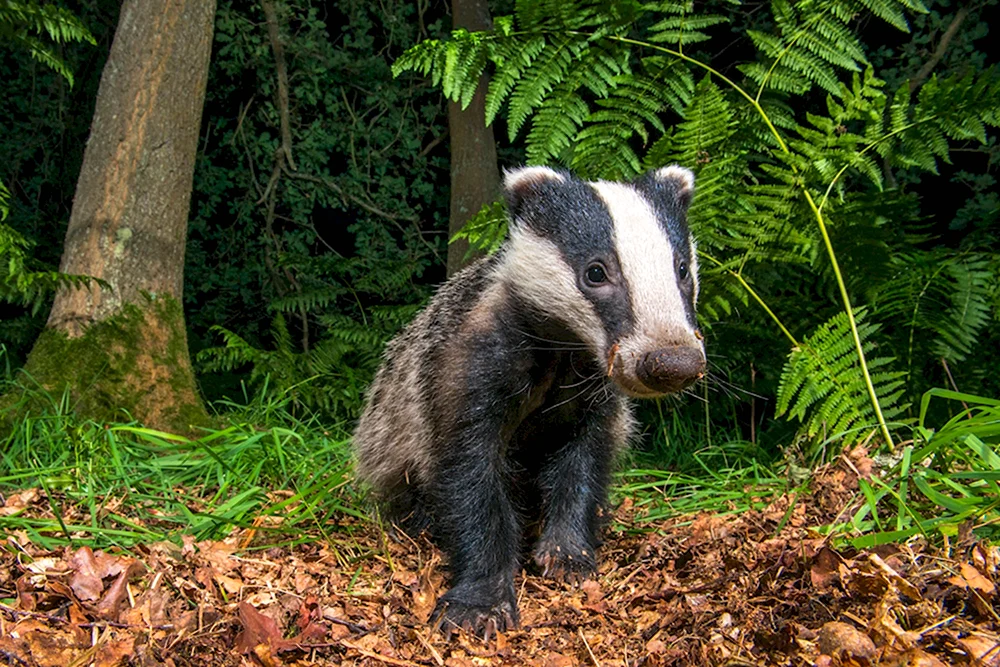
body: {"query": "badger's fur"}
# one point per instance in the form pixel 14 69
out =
pixel 504 401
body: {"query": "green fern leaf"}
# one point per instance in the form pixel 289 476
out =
pixel 822 386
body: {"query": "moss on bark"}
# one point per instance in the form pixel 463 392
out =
pixel 134 364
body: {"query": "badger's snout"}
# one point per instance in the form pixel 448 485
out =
pixel 670 369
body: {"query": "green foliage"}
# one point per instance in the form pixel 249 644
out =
pixel 788 112
pixel 135 485
pixel 328 378
pixel 22 26
pixel 948 477
pixel 24 23
pixel 803 156
pixel 21 281
pixel 313 268
pixel 822 387
pixel 487 229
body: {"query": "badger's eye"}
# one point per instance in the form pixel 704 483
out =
pixel 596 275
pixel 682 271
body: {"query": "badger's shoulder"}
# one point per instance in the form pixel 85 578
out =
pixel 419 386
pixel 463 301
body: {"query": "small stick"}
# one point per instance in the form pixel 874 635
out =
pixel 434 654
pixel 593 657
pixel 378 656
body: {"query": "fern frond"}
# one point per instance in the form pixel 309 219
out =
pixel 19 19
pixel 487 229
pixel 957 108
pixel 24 283
pixel 813 42
pixel 4 202
pixel 57 22
pixel 604 148
pixel 682 25
pixel 972 278
pixel 822 387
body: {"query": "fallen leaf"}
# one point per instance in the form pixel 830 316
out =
pixel 258 630
pixel 825 569
pixel 975 579
pixel 17 502
pixel 984 649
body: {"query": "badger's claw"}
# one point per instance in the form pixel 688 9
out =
pixel 571 565
pixel 482 620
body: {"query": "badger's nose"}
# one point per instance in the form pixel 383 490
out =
pixel 671 369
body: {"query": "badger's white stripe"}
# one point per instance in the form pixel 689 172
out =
pixel 647 264
pixel 516 178
pixel 535 270
pixel 680 175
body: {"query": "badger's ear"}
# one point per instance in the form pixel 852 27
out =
pixel 673 182
pixel 521 185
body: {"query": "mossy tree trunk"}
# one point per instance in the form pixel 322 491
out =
pixel 123 346
pixel 475 178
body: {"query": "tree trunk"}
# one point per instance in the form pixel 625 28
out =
pixel 123 346
pixel 475 178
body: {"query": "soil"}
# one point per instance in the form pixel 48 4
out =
pixel 757 588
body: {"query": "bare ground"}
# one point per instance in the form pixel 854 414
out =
pixel 759 588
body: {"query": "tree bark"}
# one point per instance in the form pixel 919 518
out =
pixel 123 346
pixel 475 178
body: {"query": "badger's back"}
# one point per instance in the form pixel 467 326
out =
pixel 413 396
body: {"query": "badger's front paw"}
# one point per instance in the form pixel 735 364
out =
pixel 567 563
pixel 476 614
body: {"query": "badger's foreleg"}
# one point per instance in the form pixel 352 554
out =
pixel 574 484
pixel 474 511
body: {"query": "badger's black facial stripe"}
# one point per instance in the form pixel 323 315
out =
pixel 569 213
pixel 670 205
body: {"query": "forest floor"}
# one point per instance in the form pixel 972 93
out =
pixel 757 588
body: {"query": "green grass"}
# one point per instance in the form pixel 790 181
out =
pixel 121 484
pixel 949 475
pixel 693 462
pixel 290 479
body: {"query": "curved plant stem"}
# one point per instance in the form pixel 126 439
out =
pixel 842 286
pixel 850 318
pixel 739 277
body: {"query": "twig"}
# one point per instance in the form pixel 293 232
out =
pixel 52 618
pixel 583 637
pixel 353 627
pixel 939 52
pixel 244 110
pixel 378 656
pixel 371 208
pixel 944 362
pixel 282 70
pixel 433 144
pixel 434 653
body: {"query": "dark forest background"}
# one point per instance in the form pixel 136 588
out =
pixel 294 280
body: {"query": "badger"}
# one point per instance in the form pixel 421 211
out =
pixel 496 414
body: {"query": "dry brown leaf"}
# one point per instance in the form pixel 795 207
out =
pixel 258 630
pixel 46 646
pixel 109 605
pixel 17 502
pixel 975 579
pixel 115 652
pixel 985 649
pixel 825 570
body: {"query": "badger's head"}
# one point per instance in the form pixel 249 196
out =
pixel 615 264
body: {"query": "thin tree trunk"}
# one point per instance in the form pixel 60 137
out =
pixel 475 178
pixel 124 345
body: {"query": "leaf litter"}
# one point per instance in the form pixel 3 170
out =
pixel 757 588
